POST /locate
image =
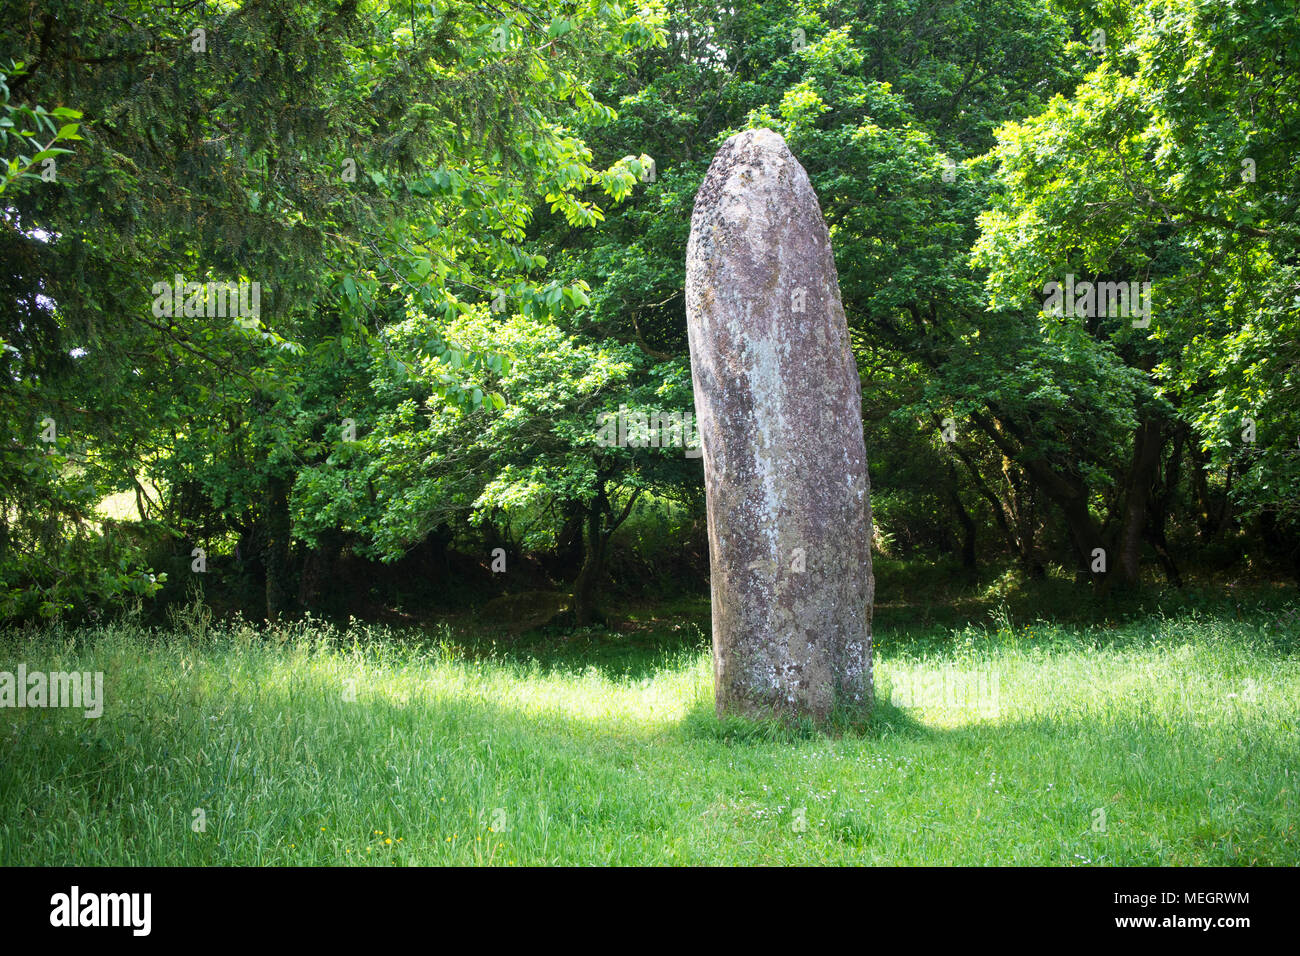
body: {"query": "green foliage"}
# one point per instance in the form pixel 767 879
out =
pixel 1175 161
pixel 27 125
pixel 523 437
pixel 350 158
pixel 468 226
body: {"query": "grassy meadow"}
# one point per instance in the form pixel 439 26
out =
pixel 1165 738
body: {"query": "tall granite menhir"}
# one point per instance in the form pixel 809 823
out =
pixel 779 406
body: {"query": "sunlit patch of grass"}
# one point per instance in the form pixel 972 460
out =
pixel 1164 740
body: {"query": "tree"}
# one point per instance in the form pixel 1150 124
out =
pixel 1174 162
pixel 323 150
pixel 570 438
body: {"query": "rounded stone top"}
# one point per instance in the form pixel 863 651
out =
pixel 752 169
pixel 762 138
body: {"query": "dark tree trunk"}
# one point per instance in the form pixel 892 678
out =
pixel 1158 514
pixel 1211 509
pixel 279 571
pixel 1023 506
pixel 1066 490
pixel 250 555
pixel 1020 536
pixel 965 520
pixel 315 589
pixel 1084 534
pixel 569 546
pixel 1148 442
pixel 593 567
pixel 601 523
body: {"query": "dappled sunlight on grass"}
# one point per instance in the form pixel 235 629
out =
pixel 998 744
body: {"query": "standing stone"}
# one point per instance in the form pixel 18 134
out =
pixel 779 406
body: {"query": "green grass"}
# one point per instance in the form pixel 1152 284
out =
pixel 603 748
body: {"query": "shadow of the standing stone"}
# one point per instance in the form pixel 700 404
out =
pixel 702 723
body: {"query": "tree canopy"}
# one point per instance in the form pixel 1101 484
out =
pixel 356 279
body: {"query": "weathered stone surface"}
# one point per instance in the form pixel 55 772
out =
pixel 779 406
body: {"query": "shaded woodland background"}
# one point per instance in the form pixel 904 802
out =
pixel 469 223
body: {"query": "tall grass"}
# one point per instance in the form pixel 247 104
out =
pixel 1163 740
